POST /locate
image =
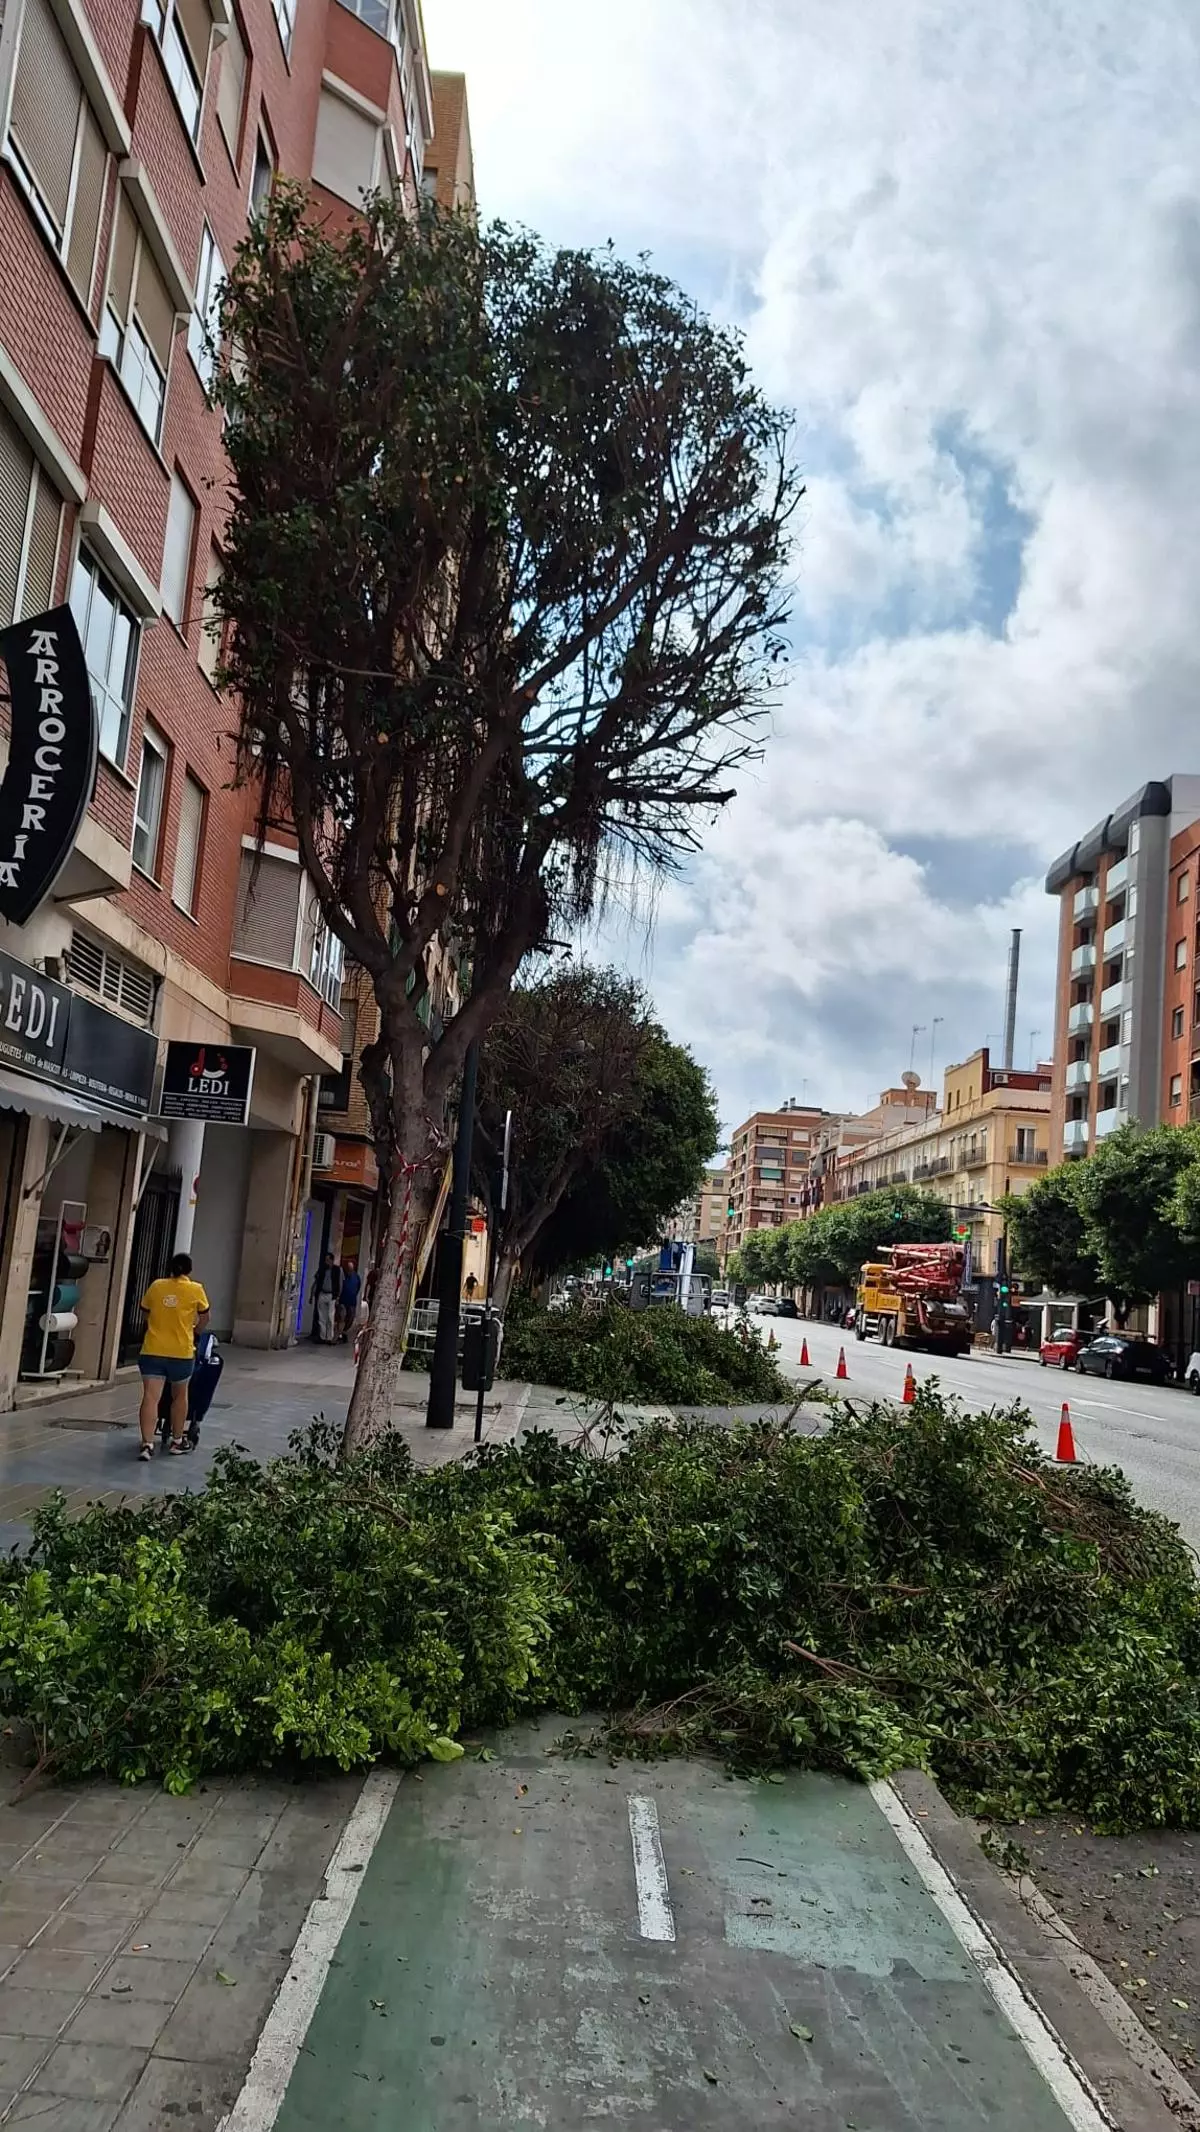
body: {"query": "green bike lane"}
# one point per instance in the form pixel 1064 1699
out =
pixel 543 1941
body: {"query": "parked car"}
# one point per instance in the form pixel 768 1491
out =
pixel 1119 1355
pixel 785 1307
pixel 762 1306
pixel 1062 1348
pixel 721 1299
pixel 1191 1375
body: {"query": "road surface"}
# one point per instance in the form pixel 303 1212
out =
pixel 1152 1434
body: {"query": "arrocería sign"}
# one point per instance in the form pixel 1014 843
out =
pixel 51 757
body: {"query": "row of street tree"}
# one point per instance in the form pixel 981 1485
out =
pixel 828 1249
pixel 1124 1223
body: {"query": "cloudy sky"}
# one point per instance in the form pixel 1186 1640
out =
pixel 963 243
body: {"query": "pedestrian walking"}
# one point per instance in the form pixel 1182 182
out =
pixel 326 1290
pixel 174 1307
pixel 348 1304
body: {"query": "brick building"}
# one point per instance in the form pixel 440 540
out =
pixel 132 149
pixel 768 1170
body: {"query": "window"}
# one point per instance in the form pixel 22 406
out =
pixel 1177 1022
pixel 205 322
pixel 377 14
pixel 285 18
pixel 186 882
pixel 263 177
pixel 124 984
pixel 210 621
pixel 138 325
pixel 1176 1090
pixel 56 144
pixel 1183 889
pixel 413 136
pixel 182 30
pixel 177 553
pixel 110 640
pixel 148 812
pixel 231 88
pixel 30 516
pixel 1181 954
pixel 344 155
pixel 326 964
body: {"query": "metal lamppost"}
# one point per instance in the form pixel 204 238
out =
pixel 443 1369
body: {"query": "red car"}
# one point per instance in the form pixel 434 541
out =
pixel 1063 1348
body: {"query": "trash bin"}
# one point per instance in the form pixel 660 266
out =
pixel 480 1348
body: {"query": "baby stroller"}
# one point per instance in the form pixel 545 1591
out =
pixel 201 1386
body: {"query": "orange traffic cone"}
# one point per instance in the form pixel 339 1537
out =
pixel 910 1387
pixel 805 1364
pixel 841 1370
pixel 1065 1453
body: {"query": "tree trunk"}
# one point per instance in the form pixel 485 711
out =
pixel 507 1269
pixel 382 1352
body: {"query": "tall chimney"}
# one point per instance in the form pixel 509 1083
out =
pixel 1010 1005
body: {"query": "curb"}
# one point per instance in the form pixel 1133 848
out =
pixel 1118 2058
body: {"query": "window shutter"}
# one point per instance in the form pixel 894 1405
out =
pixel 231 88
pixel 45 106
pixel 154 307
pixel 89 200
pixel 344 154
pixel 177 550
pixel 195 21
pixel 120 271
pixel 43 547
pixel 265 918
pixel 187 844
pixel 210 626
pixel 16 470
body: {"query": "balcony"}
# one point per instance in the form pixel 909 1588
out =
pixel 1075 1136
pixel 1108 1065
pixel 1114 938
pixel 1083 961
pixel 1029 1158
pixel 1107 1121
pixel 1113 999
pixel 1081 1016
pixel 973 1158
pixel 1087 900
pixel 1079 1073
pixel 1116 878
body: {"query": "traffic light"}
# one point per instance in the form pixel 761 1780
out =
pixel 731 1212
pixel 629 1265
pixel 1004 1291
pixel 608 1270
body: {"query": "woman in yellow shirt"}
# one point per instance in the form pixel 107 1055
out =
pixel 174 1308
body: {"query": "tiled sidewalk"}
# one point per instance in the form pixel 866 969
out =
pixel 142 1940
pixel 86 1443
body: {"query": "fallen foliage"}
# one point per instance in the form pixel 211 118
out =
pixel 909 1588
pixel 607 1351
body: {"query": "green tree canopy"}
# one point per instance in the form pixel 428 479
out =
pixel 1049 1234
pixel 833 1245
pixel 1129 1197
pixel 623 1199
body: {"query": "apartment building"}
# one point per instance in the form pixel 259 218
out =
pixel 1127 1007
pixel 768 1168
pixel 990 1137
pixel 132 150
pixel 909 1104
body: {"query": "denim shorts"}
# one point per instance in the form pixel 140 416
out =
pixel 173 1367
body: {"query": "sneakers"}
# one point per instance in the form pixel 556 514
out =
pixel 178 1448
pixel 146 1453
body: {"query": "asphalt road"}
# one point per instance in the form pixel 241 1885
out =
pixel 1152 1434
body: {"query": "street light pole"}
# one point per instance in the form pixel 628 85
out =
pixel 443 1370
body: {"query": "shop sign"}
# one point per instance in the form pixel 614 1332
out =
pixel 57 1035
pixel 51 757
pixel 353 1164
pixel 209 1083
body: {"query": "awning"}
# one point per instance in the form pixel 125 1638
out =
pixel 39 1099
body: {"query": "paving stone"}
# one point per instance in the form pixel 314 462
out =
pixel 170 2093
pixel 150 1976
pixel 20 1927
pixel 56 2114
pixel 56 1969
pixel 165 1940
pixel 198 1875
pixel 19 2056
pixel 41 1892
pixel 35 2013
pixel 104 1899
pixel 129 1869
pixel 233 1847
pixel 104 2018
pixel 222 2020
pixel 90 2072
pixel 186 1906
pixel 86 1935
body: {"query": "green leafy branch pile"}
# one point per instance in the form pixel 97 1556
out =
pixel 609 1352
pixel 919 1588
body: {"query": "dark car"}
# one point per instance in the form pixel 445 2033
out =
pixel 785 1307
pixel 1117 1355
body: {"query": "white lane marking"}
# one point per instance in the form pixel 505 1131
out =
pixel 1076 2098
pixel 655 1920
pixel 287 2024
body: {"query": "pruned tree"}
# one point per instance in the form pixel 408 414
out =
pixel 563 1055
pixel 1049 1234
pixel 504 571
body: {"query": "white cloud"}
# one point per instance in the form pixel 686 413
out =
pixel 965 245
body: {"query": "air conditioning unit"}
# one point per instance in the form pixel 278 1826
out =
pixel 324 1151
